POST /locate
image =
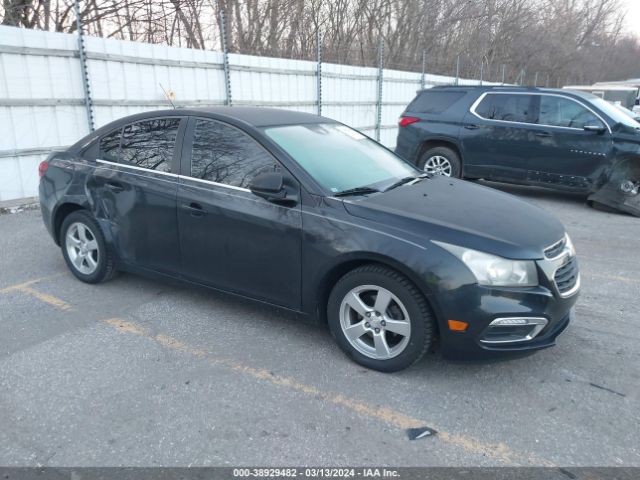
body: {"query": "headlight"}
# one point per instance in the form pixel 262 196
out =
pixel 495 271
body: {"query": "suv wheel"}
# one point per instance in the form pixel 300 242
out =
pixel 440 161
pixel 84 248
pixel 380 319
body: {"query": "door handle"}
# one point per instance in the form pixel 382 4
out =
pixel 195 209
pixel 543 134
pixel 114 187
pixel 471 126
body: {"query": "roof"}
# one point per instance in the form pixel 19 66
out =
pixel 508 88
pixel 262 117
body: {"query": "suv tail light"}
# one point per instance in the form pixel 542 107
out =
pixel 405 121
pixel 42 168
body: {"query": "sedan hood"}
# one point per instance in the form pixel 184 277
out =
pixel 465 214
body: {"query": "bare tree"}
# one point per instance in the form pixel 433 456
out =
pixel 578 39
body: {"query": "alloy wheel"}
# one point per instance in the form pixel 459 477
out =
pixel 82 248
pixel 375 322
pixel 438 165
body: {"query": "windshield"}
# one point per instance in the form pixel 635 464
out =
pixel 340 158
pixel 613 112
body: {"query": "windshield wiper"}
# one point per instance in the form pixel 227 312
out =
pixel 356 191
pixel 402 181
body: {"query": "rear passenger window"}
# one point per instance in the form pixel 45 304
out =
pixel 434 101
pixel 562 112
pixel 150 143
pixel 110 146
pixel 224 154
pixel 506 107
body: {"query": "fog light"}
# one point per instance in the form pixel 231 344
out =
pixel 513 329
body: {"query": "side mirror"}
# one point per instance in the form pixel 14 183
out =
pixel 270 186
pixel 594 128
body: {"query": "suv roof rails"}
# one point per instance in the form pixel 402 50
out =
pixel 488 87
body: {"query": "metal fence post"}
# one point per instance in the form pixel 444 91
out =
pixel 535 80
pixel 88 104
pixel 503 70
pixel 424 69
pixel 481 70
pixel 319 74
pixel 225 60
pixel 457 69
pixel 379 96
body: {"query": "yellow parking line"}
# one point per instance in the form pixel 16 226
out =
pixel 46 298
pixel 27 288
pixel 28 283
pixel 386 415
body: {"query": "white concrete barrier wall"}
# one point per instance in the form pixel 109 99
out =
pixel 42 98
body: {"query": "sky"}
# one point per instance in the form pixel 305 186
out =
pixel 633 16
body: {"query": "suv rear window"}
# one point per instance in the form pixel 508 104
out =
pixel 434 101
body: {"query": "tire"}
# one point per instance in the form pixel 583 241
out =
pixel 85 249
pixel 441 161
pixel 406 306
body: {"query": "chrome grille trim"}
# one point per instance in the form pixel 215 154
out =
pixel 555 250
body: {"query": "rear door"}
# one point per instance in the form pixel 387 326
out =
pixel 134 189
pixel 565 154
pixel 230 238
pixel 497 137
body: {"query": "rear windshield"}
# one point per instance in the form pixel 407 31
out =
pixel 434 101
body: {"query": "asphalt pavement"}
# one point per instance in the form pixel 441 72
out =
pixel 139 372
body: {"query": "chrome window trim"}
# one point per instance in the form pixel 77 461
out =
pixel 472 110
pixel 211 182
pixel 132 167
pixel 540 323
pixel 174 175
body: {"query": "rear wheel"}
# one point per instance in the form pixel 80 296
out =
pixel 441 161
pixel 380 319
pixel 84 248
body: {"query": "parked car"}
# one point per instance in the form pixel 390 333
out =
pixel 532 136
pixel 627 112
pixel 307 214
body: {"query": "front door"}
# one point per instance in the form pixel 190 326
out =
pixel 496 137
pixel 230 238
pixel 134 188
pixel 565 153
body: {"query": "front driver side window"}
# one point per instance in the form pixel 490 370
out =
pixel 562 112
pixel 224 154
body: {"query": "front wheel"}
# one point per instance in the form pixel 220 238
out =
pixel 84 248
pixel 380 319
pixel 441 161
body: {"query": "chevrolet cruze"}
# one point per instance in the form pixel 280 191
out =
pixel 305 213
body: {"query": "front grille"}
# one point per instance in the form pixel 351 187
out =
pixel 566 276
pixel 556 249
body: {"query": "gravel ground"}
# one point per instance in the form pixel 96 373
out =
pixel 140 372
